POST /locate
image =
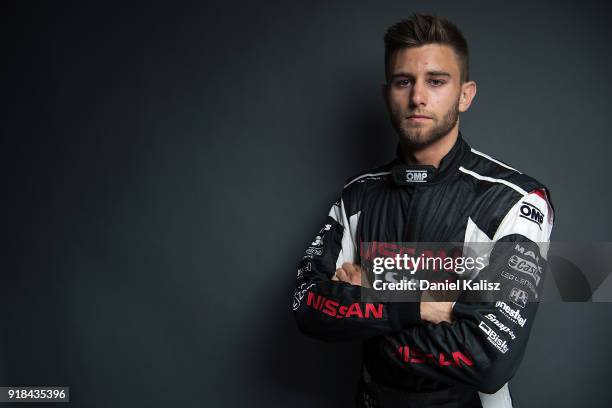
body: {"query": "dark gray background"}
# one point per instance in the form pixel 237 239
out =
pixel 165 166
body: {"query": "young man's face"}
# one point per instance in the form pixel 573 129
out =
pixel 424 94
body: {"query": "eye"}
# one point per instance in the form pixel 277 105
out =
pixel 402 83
pixel 437 82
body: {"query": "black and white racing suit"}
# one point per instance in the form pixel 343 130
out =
pixel 471 197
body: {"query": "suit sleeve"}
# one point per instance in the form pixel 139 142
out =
pixel 332 310
pixel 483 347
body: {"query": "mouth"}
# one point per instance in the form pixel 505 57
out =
pixel 418 118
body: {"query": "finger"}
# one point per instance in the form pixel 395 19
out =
pixel 354 273
pixel 342 275
pixel 357 276
pixel 349 268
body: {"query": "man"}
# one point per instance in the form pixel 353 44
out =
pixel 429 354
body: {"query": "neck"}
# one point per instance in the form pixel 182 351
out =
pixel 431 154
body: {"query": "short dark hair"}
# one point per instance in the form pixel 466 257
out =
pixel 422 29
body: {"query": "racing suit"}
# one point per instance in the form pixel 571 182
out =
pixel 470 197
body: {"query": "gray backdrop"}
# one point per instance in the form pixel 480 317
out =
pixel 165 165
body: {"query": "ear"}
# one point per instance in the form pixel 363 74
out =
pixel 468 92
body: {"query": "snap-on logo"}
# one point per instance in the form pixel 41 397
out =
pixel 532 213
pixel 416 176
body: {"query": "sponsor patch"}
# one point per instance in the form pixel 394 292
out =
pixel 525 266
pixel 502 327
pixel 413 355
pixel 532 213
pixel 333 308
pixel 519 297
pixel 306 268
pixel 408 175
pixel 298 295
pixel 527 252
pixel 316 246
pixel 513 315
pixel 494 339
pixel 521 281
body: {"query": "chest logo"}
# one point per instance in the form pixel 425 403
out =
pixel 404 175
pixel 416 176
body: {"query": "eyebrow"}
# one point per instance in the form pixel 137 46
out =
pixel 430 73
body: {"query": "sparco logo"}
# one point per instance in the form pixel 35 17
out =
pixel 527 267
pixel 493 338
pixel 518 297
pixel 532 213
pixel 416 176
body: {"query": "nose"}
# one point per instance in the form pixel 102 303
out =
pixel 417 94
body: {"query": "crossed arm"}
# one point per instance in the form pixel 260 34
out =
pixel 475 344
pixel 433 312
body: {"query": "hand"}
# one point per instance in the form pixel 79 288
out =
pixel 349 273
pixel 437 312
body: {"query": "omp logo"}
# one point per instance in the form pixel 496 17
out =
pixel 532 213
pixel 519 297
pixel 415 356
pixel 494 338
pixel 527 267
pixel 416 176
pixel 335 309
pixel 513 315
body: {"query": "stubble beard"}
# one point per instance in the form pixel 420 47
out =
pixel 417 135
